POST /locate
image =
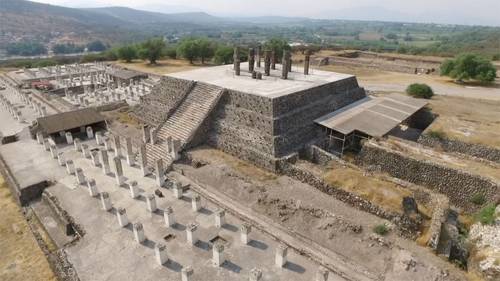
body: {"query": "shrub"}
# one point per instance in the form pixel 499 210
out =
pixel 478 199
pixel 486 215
pixel 422 91
pixel 469 67
pixel 437 134
pixel 381 229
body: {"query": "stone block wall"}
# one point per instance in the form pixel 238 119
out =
pixel 165 96
pixel 471 149
pixel 457 184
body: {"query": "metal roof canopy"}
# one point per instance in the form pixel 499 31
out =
pixel 374 116
pixel 69 120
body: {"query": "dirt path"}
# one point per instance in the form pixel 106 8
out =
pixel 20 258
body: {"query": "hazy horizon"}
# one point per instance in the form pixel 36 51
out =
pixel 480 12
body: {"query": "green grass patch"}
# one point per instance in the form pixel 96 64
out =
pixel 486 215
pixel 437 134
pixel 381 229
pixel 478 199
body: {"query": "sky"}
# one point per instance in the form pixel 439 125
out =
pixel 478 12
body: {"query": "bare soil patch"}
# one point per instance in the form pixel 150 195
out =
pixel 21 258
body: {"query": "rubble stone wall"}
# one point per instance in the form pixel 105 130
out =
pixel 475 150
pixel 457 184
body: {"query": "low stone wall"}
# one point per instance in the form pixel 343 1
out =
pixel 475 150
pixel 407 226
pixel 441 205
pixel 457 184
pixel 319 156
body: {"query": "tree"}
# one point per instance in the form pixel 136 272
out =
pixel 205 49
pixel 420 91
pixel 469 67
pixel 96 46
pixel 127 53
pixel 152 49
pixel 278 45
pixel 188 49
pixel 223 55
pixel 26 49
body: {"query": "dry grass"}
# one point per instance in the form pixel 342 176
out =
pixel 20 258
pixel 216 156
pixel 383 193
pixel 473 121
pixel 162 67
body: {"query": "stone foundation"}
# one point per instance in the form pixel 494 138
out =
pixel 458 185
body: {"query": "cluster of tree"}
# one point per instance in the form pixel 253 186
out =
pixel 96 46
pixel 469 67
pixel 26 49
pixel 68 48
pixel 151 50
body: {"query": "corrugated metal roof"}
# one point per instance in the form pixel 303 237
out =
pixel 374 116
pixel 69 120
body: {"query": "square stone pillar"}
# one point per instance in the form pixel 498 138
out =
pixel 168 215
pixel 106 201
pixel 105 162
pixel 151 202
pixel 281 255
pixel 218 255
pixel 159 172
pixel 191 234
pixel 39 138
pixel 130 153
pixel 85 151
pixel 196 203
pixel 121 214
pixel 94 155
pixel 176 147
pixel 53 151
pixel 118 147
pixel 118 171
pixel 144 161
pixel 60 159
pixel 186 273
pixel 220 218
pixel 161 253
pixel 69 138
pixel 322 274
pixel 134 189
pixel 145 134
pixel 46 144
pixel 255 274
pixel 90 132
pixel 107 144
pixel 80 178
pixel 92 187
pixel 139 232
pixel 99 138
pixel 153 136
pixel 178 190
pixel 77 144
pixel 70 167
pixel 245 230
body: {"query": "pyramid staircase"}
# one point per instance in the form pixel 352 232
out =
pixel 184 121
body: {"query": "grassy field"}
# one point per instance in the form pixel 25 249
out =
pixel 21 259
pixel 473 121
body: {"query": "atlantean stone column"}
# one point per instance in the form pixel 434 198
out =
pixel 196 203
pixel 130 153
pixel 145 134
pixel 236 59
pixel 245 230
pixel 92 187
pixel 69 138
pixel 105 162
pixel 218 255
pixel 267 63
pixel 106 201
pixel 220 218
pixel 251 60
pixel 144 160
pixel 307 62
pixel 139 232
pixel 258 54
pixel 191 234
pixel 118 146
pixel 273 60
pixel 121 214
pixel 284 66
pixel 151 203
pixel 134 189
pixel 255 274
